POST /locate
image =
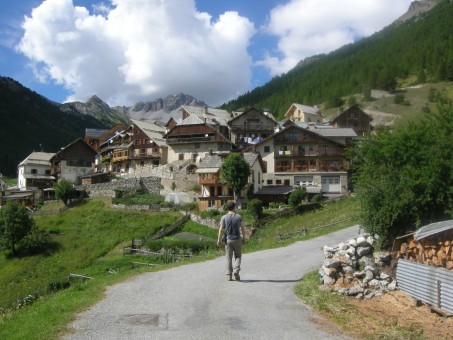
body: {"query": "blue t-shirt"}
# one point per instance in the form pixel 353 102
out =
pixel 234 231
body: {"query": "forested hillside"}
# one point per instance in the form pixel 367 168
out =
pixel 31 123
pixel 415 51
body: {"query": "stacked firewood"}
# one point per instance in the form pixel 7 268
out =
pixel 433 251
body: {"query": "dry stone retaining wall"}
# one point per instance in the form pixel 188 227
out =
pixel 353 268
pixel 148 184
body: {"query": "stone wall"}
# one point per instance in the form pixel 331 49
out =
pixel 150 185
pixel 353 268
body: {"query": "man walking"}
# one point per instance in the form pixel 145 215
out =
pixel 234 229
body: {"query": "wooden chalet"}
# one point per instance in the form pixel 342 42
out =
pixel 194 138
pixel 35 171
pixel 355 118
pixel 304 113
pixel 214 191
pixel 250 127
pixel 299 156
pixel 74 160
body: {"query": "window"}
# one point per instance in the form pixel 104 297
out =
pixel 181 156
pixel 47 172
pixel 267 149
pixel 278 181
pixel 34 171
pixel 269 182
pixel 137 142
pixel 286 182
pixel 292 136
pixel 147 141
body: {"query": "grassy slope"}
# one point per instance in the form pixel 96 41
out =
pixel 417 97
pixel 92 237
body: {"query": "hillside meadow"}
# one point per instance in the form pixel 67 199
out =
pixel 89 240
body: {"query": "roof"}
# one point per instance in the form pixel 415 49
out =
pixel 275 190
pixel 211 115
pixel 210 161
pixel 250 157
pixel 292 126
pixel 433 229
pixel 265 115
pixel 38 158
pixel 33 176
pixel 94 133
pixel 307 109
pixel 153 131
pixel 334 132
pixel 313 189
pixel 304 108
pixel 207 170
pixel 62 151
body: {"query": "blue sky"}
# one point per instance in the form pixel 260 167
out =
pixel 125 51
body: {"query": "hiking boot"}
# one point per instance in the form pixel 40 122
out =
pixel 237 277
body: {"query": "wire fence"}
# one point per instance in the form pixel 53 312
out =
pixel 302 231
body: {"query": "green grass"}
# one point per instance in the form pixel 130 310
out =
pixel 91 238
pixel 332 216
pixel 417 96
pixel 84 235
pixel 337 309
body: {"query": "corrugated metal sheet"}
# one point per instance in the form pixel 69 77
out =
pixel 430 285
pixel 432 229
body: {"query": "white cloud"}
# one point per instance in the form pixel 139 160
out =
pixel 309 27
pixel 139 50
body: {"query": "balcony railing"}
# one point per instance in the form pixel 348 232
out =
pixel 298 139
pixel 145 155
pixel 209 181
pixel 297 168
pixel 249 129
pixel 313 153
pixel 182 140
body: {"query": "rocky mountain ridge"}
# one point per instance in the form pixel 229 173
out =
pixel 149 110
pixel 416 8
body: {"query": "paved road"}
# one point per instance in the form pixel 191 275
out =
pixel 196 302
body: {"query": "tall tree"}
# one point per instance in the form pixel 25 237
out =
pixel 404 178
pixel 15 224
pixel 64 190
pixel 235 171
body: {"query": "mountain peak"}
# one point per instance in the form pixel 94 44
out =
pixel 416 8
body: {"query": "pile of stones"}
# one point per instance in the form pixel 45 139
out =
pixel 352 268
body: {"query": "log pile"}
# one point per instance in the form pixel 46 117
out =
pixel 433 251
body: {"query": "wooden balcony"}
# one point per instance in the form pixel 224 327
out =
pixel 312 153
pixel 297 168
pixel 143 155
pixel 186 140
pixel 252 129
pixel 209 181
pixel 297 140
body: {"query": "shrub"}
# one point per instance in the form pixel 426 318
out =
pixel 296 196
pixel 255 209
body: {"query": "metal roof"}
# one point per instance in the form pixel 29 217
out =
pixel 275 190
pixel 307 109
pixel 207 170
pixel 210 161
pixel 94 133
pixel 34 176
pixel 334 132
pixel 433 229
pixel 38 158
